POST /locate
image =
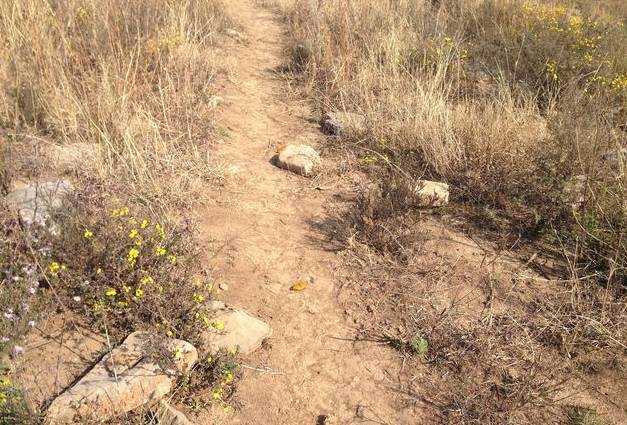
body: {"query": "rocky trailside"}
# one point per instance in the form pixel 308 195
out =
pixel 261 233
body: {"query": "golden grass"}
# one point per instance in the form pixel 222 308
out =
pixel 132 77
pixel 507 100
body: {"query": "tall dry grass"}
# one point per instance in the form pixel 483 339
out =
pixel 510 101
pixel 131 77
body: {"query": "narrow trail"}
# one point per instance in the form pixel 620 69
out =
pixel 260 235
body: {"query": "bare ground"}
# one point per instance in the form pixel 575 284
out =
pixel 261 238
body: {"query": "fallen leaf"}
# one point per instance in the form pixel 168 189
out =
pixel 299 285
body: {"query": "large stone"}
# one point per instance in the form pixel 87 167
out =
pixel 69 157
pixel 300 159
pixel 36 201
pixel 123 380
pixel 343 124
pixel 168 415
pixel 241 332
pixel 431 194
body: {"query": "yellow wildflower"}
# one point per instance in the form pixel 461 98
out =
pixel 88 234
pixel 160 230
pixel 217 394
pixel 228 409
pixel 54 267
pixel 5 382
pixel 169 333
pixel 198 298
pixel 98 270
pixel 148 280
pixel 133 253
pixel 111 292
pixel 160 251
pixel 139 292
pixel 219 324
pixel 144 224
pixel 127 289
pixel 178 354
pixel 209 359
pixel 197 283
pixel 133 233
pixel 172 259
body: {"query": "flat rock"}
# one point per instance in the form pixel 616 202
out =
pixel 122 381
pixel 242 332
pixel 343 124
pixel 299 159
pixel 215 101
pixel 35 201
pixel 168 415
pixel 431 194
pixel 60 344
pixel 69 157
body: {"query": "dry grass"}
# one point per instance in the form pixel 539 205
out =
pixel 114 96
pixel 509 101
pixel 132 78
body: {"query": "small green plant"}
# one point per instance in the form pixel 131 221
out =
pixel 222 370
pixel 583 416
pixel 13 409
pixel 419 345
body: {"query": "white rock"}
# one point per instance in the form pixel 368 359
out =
pixel 215 101
pixel 343 124
pixel 431 194
pixel 241 331
pixel 35 202
pixel 300 159
pixel 69 157
pixel 168 415
pixel 122 381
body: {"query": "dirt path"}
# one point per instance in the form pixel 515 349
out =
pixel 260 231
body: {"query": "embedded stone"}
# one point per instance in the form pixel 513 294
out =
pixel 431 194
pixel 299 159
pixel 241 332
pixel 125 379
pixel 343 124
pixel 36 201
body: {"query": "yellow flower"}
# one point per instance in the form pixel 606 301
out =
pixel 178 354
pixel 97 307
pixel 228 409
pixel 139 292
pixel 54 267
pixel 5 382
pixel 133 233
pixel 219 324
pixel 169 333
pixel 160 251
pixel 148 280
pixel 88 234
pixel 120 212
pixel 217 394
pixel 111 292
pixel 197 283
pixel 133 253
pixel 160 230
pixel 209 359
pixel 144 224
pixel 122 304
pixel 98 270
pixel 198 298
pixel 127 289
pixel 172 259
